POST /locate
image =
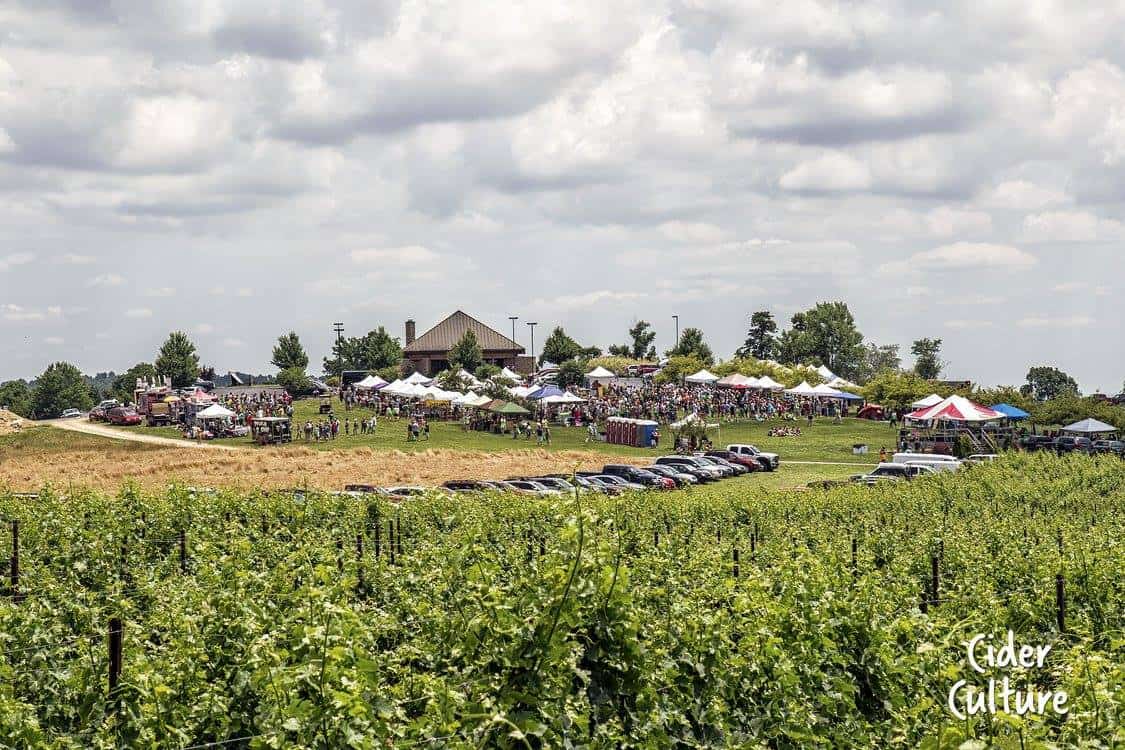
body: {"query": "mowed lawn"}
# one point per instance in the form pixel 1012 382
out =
pixel 824 441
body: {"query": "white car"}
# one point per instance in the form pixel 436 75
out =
pixel 70 414
pixel 893 472
pixel 769 461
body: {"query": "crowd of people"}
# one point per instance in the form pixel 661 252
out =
pixel 262 403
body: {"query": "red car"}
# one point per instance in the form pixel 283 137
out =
pixel 736 458
pixel 123 415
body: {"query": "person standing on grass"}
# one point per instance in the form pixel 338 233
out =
pixel 538 433
pixel 425 429
pixel 883 455
pixel 547 433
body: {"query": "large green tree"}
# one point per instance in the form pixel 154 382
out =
pixel 642 337
pixel 60 387
pixel 1045 383
pixel 15 396
pixel 559 347
pixel 373 351
pixel 761 338
pixel 927 358
pixel 289 353
pixel 824 334
pixel 691 344
pixel 877 359
pixel 295 381
pixel 178 360
pixel 466 353
pixel 571 372
pixel 125 383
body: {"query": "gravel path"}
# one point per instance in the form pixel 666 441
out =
pixel 101 430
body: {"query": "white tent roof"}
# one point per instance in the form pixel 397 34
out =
pixel 930 400
pixel 804 389
pixel 371 381
pixel 703 376
pixel 599 372
pixel 1089 426
pixel 825 373
pixel 566 398
pixel 838 382
pixel 769 383
pixel 466 375
pixel 214 411
pixel 506 373
pixel 738 380
pixel 825 390
pixel 417 377
pixel 522 390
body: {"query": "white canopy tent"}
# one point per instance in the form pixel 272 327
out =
pixel 522 391
pixel 703 376
pixel 932 400
pixel 509 375
pixel 214 411
pixel 767 383
pixel 370 382
pixel 826 391
pixel 825 374
pixel 468 376
pixel 840 383
pixel 566 398
pixel 599 373
pixel 804 389
pixel 418 378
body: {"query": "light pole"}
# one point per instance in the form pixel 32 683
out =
pixel 513 318
pixel 677 319
pixel 339 329
pixel 532 327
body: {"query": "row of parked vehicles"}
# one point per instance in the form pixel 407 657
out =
pixel 907 466
pixel 665 473
pixel 1072 444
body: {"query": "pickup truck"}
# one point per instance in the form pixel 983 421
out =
pixel 768 461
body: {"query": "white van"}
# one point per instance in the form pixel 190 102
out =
pixel 935 465
pixel 906 457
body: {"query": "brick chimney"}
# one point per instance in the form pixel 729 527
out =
pixel 409 332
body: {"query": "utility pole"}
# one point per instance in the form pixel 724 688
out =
pixel 339 329
pixel 677 319
pixel 532 327
pixel 513 318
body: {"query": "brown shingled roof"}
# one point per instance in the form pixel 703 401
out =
pixel 448 332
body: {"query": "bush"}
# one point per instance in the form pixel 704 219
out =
pixel 295 381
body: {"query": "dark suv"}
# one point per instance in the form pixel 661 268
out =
pixel 639 476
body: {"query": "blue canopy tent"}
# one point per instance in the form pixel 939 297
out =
pixel 1011 412
pixel 547 390
pixel 848 396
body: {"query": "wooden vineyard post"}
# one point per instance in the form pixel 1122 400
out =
pixel 15 563
pixel 934 579
pixel 378 539
pixel 542 546
pixel 1060 602
pixel 114 656
pixel 360 587
pixel 398 536
pixel 391 538
pixel 736 570
pixel 340 555
pixel 183 552
pixel 923 604
pixel 655 538
pixel 855 566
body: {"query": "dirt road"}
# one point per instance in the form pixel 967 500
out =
pixel 101 430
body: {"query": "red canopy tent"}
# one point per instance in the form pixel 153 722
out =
pixel 955 409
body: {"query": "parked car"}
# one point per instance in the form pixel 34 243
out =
pixel 469 485
pixel 1084 444
pixel 616 481
pixel 585 480
pixel 1065 444
pixel 681 478
pixel 692 465
pixel 751 463
pixel 1115 447
pixel 894 472
pixel 527 487
pixel 558 483
pixel 736 470
pixel 981 458
pixel 406 491
pixel 70 414
pixel 769 461
pixel 640 476
pixel 123 415
pixel 1037 443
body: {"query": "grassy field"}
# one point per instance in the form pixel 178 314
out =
pixel 824 441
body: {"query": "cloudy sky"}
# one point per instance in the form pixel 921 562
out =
pixel 239 168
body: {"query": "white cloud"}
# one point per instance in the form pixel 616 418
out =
pixel 244 291
pixel 692 232
pixel 590 299
pixel 1022 195
pixel 408 255
pixel 18 313
pixel 74 259
pixel 831 172
pixel 54 340
pixel 1063 321
pixel 138 312
pixel 160 291
pixel 15 259
pixel 105 280
pixel 204 328
pixel 962 256
pixel 962 324
pixel 1070 226
pixel 946 221
pixel 233 343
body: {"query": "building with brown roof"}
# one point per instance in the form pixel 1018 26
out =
pixel 429 353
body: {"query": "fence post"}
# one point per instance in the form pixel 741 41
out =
pixel 15 563
pixel 359 584
pixel 1060 602
pixel 378 540
pixel 183 552
pixel 934 580
pixel 736 571
pixel 114 655
pixel 855 565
